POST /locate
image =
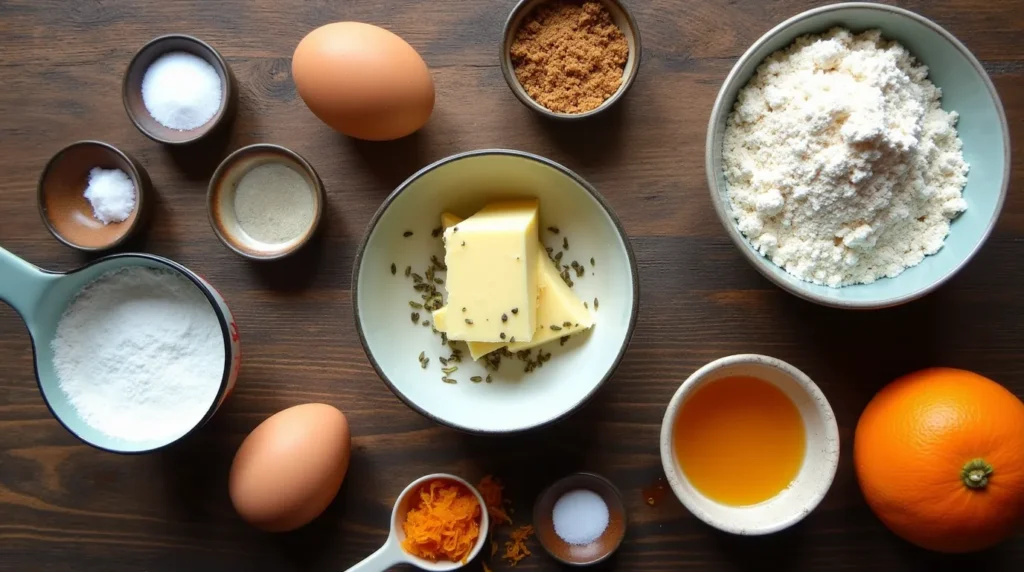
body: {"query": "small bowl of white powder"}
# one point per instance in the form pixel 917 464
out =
pixel 580 519
pixel 858 155
pixel 92 196
pixel 265 201
pixel 178 89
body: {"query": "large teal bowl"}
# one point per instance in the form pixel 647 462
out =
pixel 966 89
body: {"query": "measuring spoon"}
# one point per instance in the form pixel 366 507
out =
pixel 392 554
pixel 40 297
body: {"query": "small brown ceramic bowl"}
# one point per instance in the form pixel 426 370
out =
pixel 66 212
pixel 622 17
pixel 572 554
pixel 220 200
pixel 131 89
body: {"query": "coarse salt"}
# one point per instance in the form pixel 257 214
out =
pixel 140 355
pixel 111 194
pixel 181 91
pixel 580 517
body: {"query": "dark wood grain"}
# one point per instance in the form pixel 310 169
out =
pixel 65 506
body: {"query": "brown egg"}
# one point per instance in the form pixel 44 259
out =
pixel 289 469
pixel 363 81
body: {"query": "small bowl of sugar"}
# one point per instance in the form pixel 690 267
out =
pixel 178 89
pixel 265 201
pixel 91 195
pixel 580 519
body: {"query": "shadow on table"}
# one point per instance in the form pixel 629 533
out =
pixel 197 161
pixel 391 162
pixel 299 271
pixel 591 141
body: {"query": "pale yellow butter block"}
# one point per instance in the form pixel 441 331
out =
pixel 448 219
pixel 558 306
pixel 492 273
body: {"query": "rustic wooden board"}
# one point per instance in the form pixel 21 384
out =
pixel 65 506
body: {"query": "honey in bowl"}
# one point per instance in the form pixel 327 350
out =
pixel 739 440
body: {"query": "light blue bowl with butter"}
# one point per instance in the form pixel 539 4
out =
pixel 982 127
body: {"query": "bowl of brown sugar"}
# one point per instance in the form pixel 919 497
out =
pixel 570 59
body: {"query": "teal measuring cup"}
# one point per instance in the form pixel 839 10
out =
pixel 40 297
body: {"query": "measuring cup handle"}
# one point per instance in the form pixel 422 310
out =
pixel 22 284
pixel 387 556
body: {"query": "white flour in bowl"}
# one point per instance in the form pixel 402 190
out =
pixel 840 164
pixel 140 354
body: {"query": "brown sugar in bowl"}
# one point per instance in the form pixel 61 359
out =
pixel 620 16
pixel 66 212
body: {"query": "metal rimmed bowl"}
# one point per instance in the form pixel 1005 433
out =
pixel 131 89
pixel 966 89
pixel 401 235
pixel 622 18
pixel 66 212
pixel 220 200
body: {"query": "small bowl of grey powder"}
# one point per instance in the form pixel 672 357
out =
pixel 265 201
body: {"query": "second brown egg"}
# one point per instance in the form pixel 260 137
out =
pixel 290 468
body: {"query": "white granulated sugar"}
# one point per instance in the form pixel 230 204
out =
pixel 140 354
pixel 841 166
pixel 111 194
pixel 580 517
pixel 181 91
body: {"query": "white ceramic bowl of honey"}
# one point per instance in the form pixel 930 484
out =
pixel 749 444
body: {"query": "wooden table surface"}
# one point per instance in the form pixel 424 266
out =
pixel 66 506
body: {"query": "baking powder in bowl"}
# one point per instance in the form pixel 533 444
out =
pixel 580 517
pixel 140 354
pixel 274 203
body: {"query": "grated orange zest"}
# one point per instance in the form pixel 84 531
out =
pixel 491 490
pixel 443 524
pixel 515 549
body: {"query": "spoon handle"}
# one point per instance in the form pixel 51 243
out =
pixel 387 556
pixel 22 285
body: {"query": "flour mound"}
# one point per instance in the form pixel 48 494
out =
pixel 140 354
pixel 841 166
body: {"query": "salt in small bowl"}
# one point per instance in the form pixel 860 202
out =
pixel 131 89
pixel 572 554
pixel 66 212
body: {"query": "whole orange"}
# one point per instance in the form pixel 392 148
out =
pixel 939 455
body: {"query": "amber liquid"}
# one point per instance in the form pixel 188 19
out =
pixel 739 440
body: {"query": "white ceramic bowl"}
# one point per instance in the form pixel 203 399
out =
pixel 516 400
pixel 820 461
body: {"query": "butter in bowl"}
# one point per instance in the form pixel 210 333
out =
pixel 506 289
pixel 495 292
